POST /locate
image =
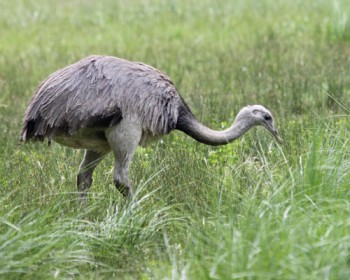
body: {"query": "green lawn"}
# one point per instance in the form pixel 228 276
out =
pixel 248 210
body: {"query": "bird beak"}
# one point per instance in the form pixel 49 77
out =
pixel 276 135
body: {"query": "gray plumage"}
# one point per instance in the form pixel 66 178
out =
pixel 104 103
pixel 95 91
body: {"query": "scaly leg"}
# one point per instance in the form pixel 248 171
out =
pixel 86 168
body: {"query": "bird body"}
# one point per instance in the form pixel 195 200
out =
pixel 103 103
pixel 96 92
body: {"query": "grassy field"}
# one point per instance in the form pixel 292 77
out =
pixel 248 210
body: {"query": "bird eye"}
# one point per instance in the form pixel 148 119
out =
pixel 267 117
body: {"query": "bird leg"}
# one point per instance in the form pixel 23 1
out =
pixel 123 156
pixel 123 139
pixel 120 176
pixel 86 168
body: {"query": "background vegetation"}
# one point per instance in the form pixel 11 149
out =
pixel 249 210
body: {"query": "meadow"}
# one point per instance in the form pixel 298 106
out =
pixel 252 209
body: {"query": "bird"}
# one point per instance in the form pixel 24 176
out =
pixel 104 103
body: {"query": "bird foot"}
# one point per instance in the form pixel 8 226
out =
pixel 125 189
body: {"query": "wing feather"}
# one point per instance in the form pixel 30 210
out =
pixel 98 92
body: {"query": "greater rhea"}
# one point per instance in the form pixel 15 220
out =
pixel 103 103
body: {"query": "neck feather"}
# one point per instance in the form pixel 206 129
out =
pixel 192 127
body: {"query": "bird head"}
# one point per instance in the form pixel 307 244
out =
pixel 253 115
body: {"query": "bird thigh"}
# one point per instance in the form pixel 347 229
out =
pixel 123 139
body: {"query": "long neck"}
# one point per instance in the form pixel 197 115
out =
pixel 192 127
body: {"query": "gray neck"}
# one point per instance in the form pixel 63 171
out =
pixel 192 127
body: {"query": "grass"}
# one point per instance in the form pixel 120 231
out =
pixel 248 210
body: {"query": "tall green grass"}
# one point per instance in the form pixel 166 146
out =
pixel 248 210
